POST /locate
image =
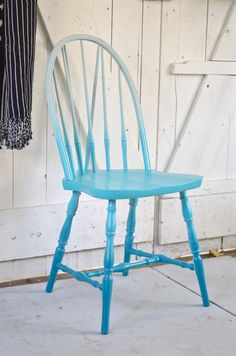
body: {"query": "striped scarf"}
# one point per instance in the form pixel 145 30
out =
pixel 17 56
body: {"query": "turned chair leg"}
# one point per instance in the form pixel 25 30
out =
pixel 194 246
pixel 108 264
pixel 63 239
pixel 130 228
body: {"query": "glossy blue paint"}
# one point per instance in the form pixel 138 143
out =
pixel 130 227
pixel 194 245
pixel 108 265
pixel 51 105
pixel 63 239
pixel 73 115
pixel 63 123
pixel 109 184
pixel 162 258
pixel 131 184
pixel 90 138
pixel 80 276
pixel 150 260
pixel 106 132
pixel 122 121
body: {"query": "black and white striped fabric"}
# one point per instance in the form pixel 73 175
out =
pixel 19 23
pixel 2 56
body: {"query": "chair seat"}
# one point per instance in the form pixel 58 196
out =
pixel 119 184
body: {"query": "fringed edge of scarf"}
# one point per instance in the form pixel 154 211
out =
pixel 17 133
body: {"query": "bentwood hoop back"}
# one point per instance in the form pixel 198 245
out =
pixel 83 173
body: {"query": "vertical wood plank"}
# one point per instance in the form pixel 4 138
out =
pixel 6 179
pixel 127 41
pixel 217 11
pixel 150 72
pixel 183 38
pixel 226 49
pixel 77 16
pixel 222 163
pixel 126 34
pixel 231 167
pixel 192 37
pixel 167 100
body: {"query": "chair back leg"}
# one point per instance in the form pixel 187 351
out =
pixel 63 239
pixel 108 264
pixel 194 246
pixel 130 228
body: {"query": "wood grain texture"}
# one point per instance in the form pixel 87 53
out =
pixel 81 16
pixel 207 216
pixel 204 67
pixel 6 179
pixel 207 128
pixel 183 37
pixel 149 82
pixel 34 231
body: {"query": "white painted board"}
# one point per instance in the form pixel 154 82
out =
pixel 213 216
pixel 34 231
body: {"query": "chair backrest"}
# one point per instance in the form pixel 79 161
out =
pixel 60 73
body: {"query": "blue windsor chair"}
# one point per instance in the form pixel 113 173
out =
pixel 108 183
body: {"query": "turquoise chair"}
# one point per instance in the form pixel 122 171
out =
pixel 83 175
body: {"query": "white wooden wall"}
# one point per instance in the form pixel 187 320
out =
pixel 189 118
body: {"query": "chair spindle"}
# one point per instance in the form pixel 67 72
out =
pixel 88 152
pixel 65 135
pixel 104 101
pixel 72 107
pixel 90 138
pixel 122 117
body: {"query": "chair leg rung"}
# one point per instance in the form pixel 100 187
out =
pixel 122 267
pixel 80 276
pixel 162 259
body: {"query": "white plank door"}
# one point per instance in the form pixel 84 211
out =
pixel 202 142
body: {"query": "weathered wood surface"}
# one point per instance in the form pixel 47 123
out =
pixel 149 35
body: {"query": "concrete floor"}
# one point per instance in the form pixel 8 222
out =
pixel 155 311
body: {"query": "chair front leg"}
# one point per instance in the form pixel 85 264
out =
pixel 130 228
pixel 63 239
pixel 108 264
pixel 194 246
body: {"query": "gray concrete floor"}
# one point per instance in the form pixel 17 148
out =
pixel 155 311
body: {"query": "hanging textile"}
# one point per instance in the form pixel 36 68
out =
pixel 17 52
pixel 2 60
